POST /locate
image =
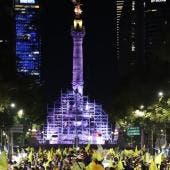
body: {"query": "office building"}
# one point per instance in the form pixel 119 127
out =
pixel 7 50
pixel 28 40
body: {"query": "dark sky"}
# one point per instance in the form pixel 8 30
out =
pixel 99 65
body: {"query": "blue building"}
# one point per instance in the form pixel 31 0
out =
pixel 28 42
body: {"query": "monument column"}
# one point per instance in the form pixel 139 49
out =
pixel 78 33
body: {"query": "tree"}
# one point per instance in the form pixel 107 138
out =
pixel 154 121
pixel 27 95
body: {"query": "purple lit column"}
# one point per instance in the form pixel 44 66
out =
pixel 77 80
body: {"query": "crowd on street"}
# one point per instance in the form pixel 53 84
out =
pixel 84 158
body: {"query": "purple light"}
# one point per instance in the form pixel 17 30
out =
pixel 75 119
pixel 77 80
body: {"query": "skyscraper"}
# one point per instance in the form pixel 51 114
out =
pixel 138 32
pixel 7 50
pixel 124 34
pixel 117 13
pixel 28 41
pixel 157 23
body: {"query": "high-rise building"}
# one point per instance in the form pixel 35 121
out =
pixel 7 50
pixel 124 34
pixel 28 41
pixel 118 7
pixel 138 32
pixel 157 22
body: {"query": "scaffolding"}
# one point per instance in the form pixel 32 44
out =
pixel 74 119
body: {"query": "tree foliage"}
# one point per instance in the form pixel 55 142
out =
pixel 27 95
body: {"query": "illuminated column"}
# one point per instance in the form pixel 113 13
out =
pixel 78 33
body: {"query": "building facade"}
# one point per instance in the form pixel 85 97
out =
pixel 157 24
pixel 7 50
pixel 138 32
pixel 28 40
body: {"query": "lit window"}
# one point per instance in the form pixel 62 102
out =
pixel 27 1
pixel 36 52
pixel 133 47
pixel 133 5
pixel 158 1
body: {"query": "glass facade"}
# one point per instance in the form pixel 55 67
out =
pixel 27 39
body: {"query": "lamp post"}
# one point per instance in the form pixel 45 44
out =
pixel 16 128
pixel 140 114
pixel 153 130
pixel 7 120
pixel 162 96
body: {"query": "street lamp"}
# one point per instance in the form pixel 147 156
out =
pixel 142 106
pixel 160 94
pixel 20 113
pixel 12 105
pixel 5 124
pixel 140 114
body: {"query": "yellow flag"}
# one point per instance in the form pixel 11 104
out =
pixel 39 151
pixel 30 156
pixel 143 148
pixel 128 153
pixel 52 152
pixel 120 165
pixel 94 166
pixel 136 153
pixel 97 155
pixel 147 157
pixel 65 151
pixel 49 156
pixel 58 152
pixel 136 149
pixel 3 161
pixel 158 158
pixel 88 146
pixel 152 165
pixel 111 151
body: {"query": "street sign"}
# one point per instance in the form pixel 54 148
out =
pixel 133 131
pixel 17 128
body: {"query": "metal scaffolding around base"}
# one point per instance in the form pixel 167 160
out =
pixel 73 118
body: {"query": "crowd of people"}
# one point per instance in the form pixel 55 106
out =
pixel 84 158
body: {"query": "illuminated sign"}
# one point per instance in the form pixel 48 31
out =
pixel 158 1
pixel 133 131
pixel 27 1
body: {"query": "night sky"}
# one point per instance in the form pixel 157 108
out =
pixel 99 62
